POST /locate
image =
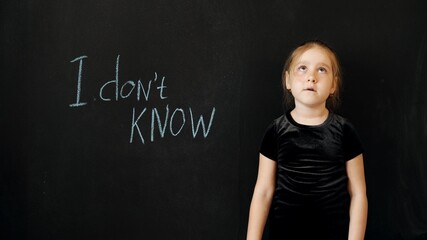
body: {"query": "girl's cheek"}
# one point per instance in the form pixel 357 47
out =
pixel 299 73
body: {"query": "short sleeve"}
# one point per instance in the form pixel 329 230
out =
pixel 269 143
pixel 352 144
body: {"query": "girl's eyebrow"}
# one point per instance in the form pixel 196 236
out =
pixel 301 62
pixel 325 65
pixel 306 62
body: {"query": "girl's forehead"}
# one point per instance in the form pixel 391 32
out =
pixel 316 55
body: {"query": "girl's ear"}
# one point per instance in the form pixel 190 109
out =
pixel 334 85
pixel 287 81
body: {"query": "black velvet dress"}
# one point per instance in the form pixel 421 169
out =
pixel 311 199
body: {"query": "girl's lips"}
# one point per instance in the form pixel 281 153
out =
pixel 310 89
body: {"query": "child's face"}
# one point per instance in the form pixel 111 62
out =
pixel 310 78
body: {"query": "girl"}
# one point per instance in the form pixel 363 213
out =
pixel 311 176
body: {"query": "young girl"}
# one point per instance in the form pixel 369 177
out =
pixel 311 175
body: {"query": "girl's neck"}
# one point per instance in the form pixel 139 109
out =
pixel 310 116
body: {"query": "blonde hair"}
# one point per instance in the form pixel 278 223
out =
pixel 334 99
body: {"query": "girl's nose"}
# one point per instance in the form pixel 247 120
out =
pixel 311 79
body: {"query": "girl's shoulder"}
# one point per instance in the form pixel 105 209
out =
pixel 340 119
pixel 343 123
pixel 279 121
pixel 274 125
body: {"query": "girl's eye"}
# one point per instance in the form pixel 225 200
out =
pixel 322 70
pixel 302 68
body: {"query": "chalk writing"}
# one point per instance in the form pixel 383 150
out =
pixel 201 122
pixel 135 125
pixel 140 87
pixel 163 122
pixel 171 121
pixel 79 82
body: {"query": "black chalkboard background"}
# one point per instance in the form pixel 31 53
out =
pixel 79 173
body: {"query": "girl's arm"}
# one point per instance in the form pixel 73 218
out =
pixel 359 202
pixel 261 199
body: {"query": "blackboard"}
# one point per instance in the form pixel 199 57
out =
pixel 142 119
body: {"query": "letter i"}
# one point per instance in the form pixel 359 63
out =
pixel 79 82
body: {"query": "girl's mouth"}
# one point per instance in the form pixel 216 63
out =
pixel 310 89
